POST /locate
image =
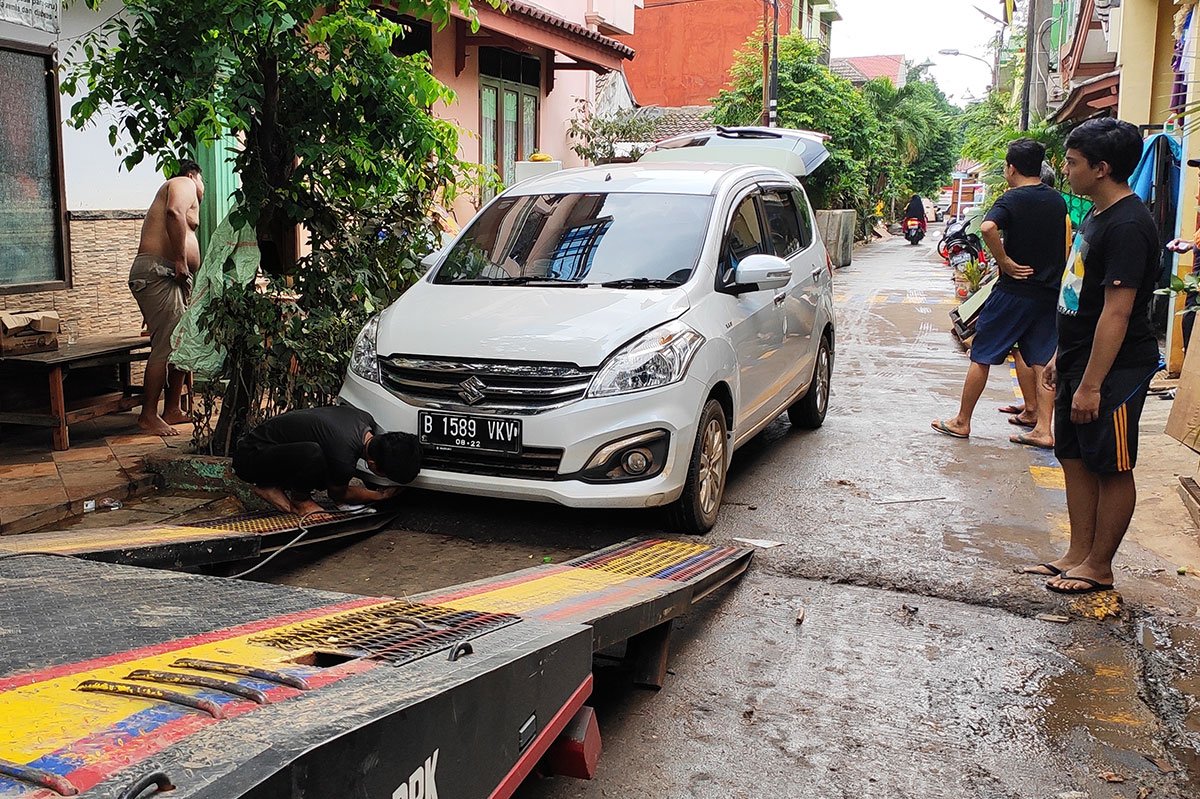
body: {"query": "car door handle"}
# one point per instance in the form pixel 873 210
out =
pixel 779 298
pixel 816 273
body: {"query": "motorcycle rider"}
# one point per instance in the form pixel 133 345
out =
pixel 916 210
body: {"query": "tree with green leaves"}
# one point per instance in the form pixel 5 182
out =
pixel 885 142
pixel 920 124
pixel 990 124
pixel 595 136
pixel 336 135
pixel 810 98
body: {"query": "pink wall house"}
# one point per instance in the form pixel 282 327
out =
pixel 517 78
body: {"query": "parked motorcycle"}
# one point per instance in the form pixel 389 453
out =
pixel 957 238
pixel 965 253
pixel 914 231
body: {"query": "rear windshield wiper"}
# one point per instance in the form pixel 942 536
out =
pixel 641 283
pixel 518 280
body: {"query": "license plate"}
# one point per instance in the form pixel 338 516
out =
pixel 959 258
pixel 478 433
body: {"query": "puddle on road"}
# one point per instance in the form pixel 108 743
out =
pixel 1180 647
pixel 1100 697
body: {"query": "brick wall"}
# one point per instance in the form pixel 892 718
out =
pixel 103 244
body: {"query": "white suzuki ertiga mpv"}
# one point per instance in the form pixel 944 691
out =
pixel 608 336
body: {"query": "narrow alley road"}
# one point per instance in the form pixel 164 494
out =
pixel 920 667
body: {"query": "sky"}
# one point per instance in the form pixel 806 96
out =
pixel 918 29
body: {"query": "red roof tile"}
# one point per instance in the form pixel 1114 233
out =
pixel 574 28
pixel 872 66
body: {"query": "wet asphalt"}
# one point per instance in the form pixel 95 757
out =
pixel 920 667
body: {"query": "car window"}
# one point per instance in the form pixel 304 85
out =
pixel 805 216
pixel 779 207
pixel 582 238
pixel 744 238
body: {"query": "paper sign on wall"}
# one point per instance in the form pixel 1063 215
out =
pixel 40 14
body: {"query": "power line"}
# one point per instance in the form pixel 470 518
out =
pixel 104 22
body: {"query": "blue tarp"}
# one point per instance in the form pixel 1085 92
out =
pixel 1142 180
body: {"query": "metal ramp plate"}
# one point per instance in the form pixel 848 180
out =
pixel 230 688
pixel 197 543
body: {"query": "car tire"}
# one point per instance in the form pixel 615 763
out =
pixel 695 512
pixel 809 411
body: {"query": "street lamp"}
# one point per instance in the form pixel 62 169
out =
pixel 991 67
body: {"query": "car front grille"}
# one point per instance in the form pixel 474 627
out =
pixel 511 387
pixel 534 463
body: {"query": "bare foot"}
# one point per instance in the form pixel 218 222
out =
pixel 1067 582
pixel 1023 419
pixel 176 417
pixel 156 425
pixel 306 506
pixel 275 496
pixel 952 428
pixel 1051 568
pixel 1031 439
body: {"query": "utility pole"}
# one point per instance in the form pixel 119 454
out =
pixel 764 118
pixel 773 103
pixel 1031 28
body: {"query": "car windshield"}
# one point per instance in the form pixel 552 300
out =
pixel 635 240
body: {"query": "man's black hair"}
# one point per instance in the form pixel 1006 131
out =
pixel 398 456
pixel 186 168
pixel 1110 140
pixel 1026 156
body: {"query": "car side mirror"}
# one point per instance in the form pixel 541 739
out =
pixel 431 260
pixel 761 273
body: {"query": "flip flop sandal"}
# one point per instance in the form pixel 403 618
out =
pixel 1092 585
pixel 1051 570
pixel 946 431
pixel 1021 438
pixel 1012 409
pixel 1019 422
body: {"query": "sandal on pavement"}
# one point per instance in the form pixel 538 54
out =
pixel 1012 409
pixel 1019 422
pixel 1021 438
pixel 946 431
pixel 1093 586
pixel 1050 570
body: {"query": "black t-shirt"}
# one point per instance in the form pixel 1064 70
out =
pixel 1118 247
pixel 1034 221
pixel 339 431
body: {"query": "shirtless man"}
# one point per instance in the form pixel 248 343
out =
pixel 161 280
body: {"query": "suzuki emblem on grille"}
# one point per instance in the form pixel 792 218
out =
pixel 471 390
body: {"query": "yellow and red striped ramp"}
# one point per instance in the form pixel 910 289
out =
pixel 113 676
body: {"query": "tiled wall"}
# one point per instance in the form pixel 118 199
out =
pixel 103 245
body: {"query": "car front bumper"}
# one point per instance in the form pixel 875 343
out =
pixel 579 430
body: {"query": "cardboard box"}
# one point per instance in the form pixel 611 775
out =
pixel 1183 424
pixel 23 332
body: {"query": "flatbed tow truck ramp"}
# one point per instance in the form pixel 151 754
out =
pixel 121 681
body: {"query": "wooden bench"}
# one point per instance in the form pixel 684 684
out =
pixel 55 367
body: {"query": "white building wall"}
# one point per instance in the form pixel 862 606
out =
pixel 95 179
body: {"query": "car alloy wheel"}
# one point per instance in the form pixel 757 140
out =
pixel 823 370
pixel 712 467
pixel 696 509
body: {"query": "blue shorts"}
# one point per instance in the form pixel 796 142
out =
pixel 1006 319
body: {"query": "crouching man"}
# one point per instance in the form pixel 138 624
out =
pixel 286 458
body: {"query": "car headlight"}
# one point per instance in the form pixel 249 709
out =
pixel 657 358
pixel 364 360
